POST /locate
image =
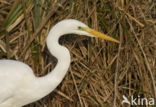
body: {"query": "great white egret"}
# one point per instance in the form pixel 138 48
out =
pixel 19 85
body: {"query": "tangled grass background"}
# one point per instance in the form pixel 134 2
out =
pixel 101 72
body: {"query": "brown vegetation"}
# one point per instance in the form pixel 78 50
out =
pixel 101 72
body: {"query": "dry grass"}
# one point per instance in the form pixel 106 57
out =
pixel 100 72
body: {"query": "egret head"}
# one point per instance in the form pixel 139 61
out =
pixel 80 28
pixel 72 26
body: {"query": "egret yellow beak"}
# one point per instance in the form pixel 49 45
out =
pixel 99 34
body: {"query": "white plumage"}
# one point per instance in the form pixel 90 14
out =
pixel 18 84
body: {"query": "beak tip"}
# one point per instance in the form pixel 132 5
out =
pixel 118 42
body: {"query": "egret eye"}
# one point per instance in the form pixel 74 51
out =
pixel 80 28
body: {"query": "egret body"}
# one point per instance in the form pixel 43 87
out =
pixel 18 84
